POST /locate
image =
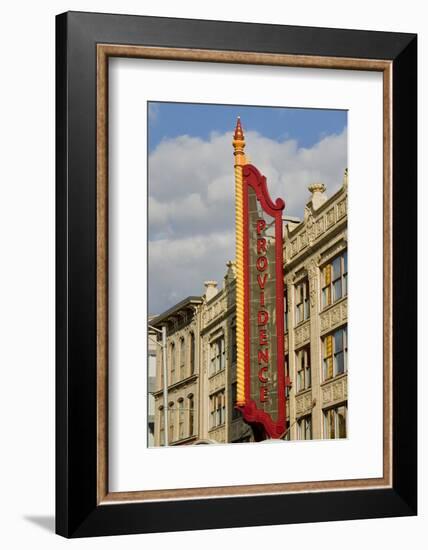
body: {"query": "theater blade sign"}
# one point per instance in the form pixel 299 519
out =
pixel 264 376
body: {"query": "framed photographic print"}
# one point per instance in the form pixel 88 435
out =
pixel 236 274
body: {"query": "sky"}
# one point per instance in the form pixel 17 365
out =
pixel 191 182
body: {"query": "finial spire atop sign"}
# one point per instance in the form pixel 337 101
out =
pixel 239 144
pixel 239 134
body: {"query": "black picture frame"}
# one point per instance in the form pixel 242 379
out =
pixel 77 511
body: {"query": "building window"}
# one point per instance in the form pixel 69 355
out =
pixel 304 427
pixel 160 363
pixel 235 411
pixel 192 353
pixel 287 376
pixel 285 309
pixel 335 422
pixel 180 419
pixel 171 422
pixel 217 409
pixel 234 345
pixel 191 407
pixel 222 408
pixel 182 358
pixel 335 353
pixel 172 362
pixel 213 407
pixel 217 356
pixel 161 426
pixel 335 280
pixel 302 301
pixel 303 368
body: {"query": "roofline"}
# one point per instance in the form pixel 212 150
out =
pixel 318 210
pixel 190 300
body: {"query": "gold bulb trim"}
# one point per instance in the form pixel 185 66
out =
pixel 240 364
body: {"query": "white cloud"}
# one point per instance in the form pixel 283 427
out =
pixel 178 267
pixel 191 201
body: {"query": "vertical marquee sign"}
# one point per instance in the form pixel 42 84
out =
pixel 260 299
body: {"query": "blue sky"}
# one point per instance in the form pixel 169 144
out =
pixel 307 126
pixel 191 189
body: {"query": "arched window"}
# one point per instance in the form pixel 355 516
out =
pixel 191 407
pixel 172 362
pixel 182 357
pixel 192 353
pixel 217 409
pixel 181 434
pixel 217 353
pixel 302 300
pixel 161 426
pixel 171 422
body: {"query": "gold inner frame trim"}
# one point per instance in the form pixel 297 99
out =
pixel 104 51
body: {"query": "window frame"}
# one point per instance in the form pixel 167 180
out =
pixel 334 354
pixel 304 368
pixel 328 280
pixel 331 413
pixel 287 374
pixel 217 355
pixel 171 423
pixel 217 409
pixel 302 308
pixel 192 359
pixel 172 357
pixel 181 420
pixel 161 425
pixel 306 420
pixel 182 358
pixel 191 415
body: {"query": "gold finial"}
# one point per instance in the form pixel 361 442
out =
pixel 239 144
pixel 239 134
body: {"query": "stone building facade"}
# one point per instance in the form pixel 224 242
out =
pixel 151 384
pixel 183 350
pixel 201 341
pixel 221 421
pixel 316 315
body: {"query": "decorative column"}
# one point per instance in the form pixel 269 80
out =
pixel 240 161
pixel 291 402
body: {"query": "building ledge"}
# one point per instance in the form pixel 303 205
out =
pixel 303 254
pixel 212 376
pixel 214 428
pixel 303 392
pixel 334 379
pixel 334 304
pixel 301 323
pixel 292 231
pixel 184 441
pixel 177 384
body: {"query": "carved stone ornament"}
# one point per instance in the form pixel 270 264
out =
pixel 310 227
pixel 312 270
